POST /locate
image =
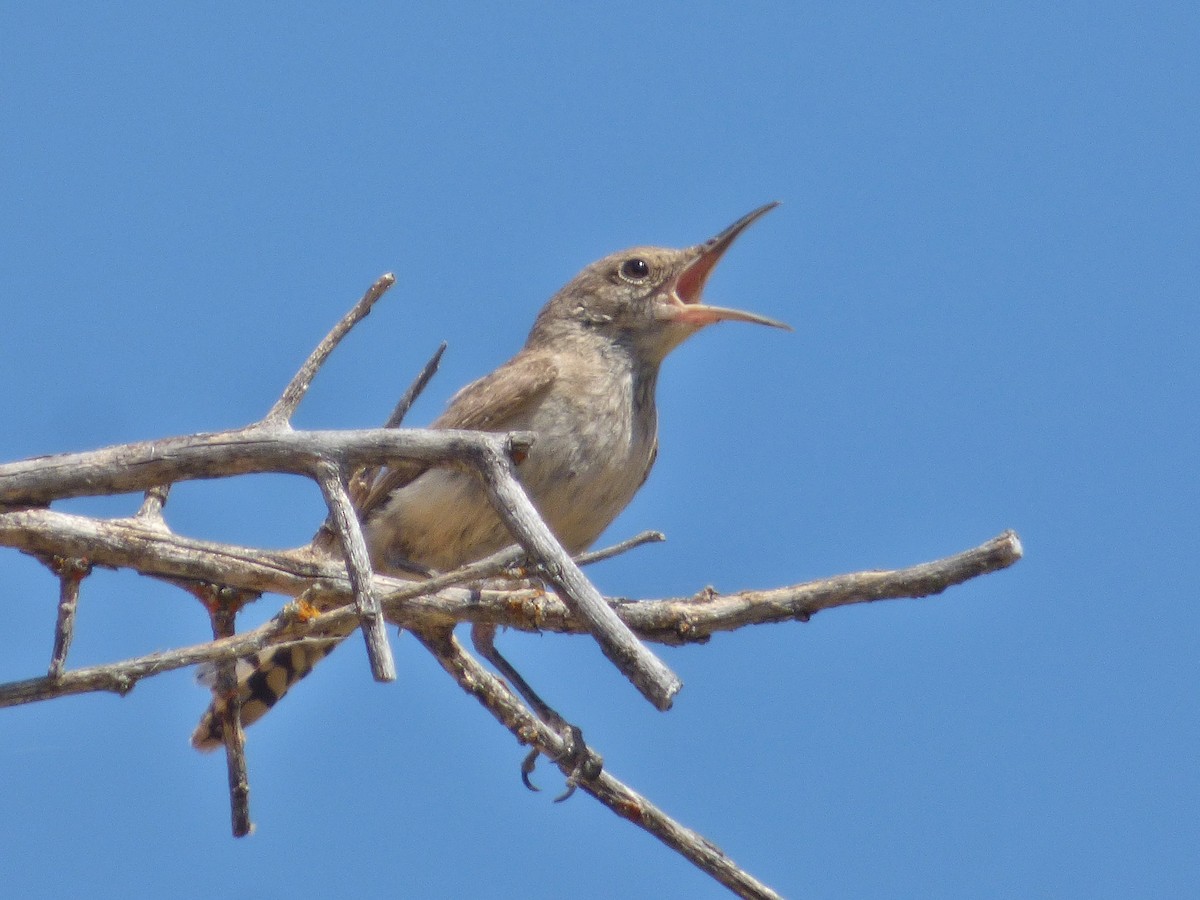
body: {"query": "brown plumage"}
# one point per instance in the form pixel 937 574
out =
pixel 584 384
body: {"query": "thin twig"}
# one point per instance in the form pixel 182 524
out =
pixel 121 677
pixel 223 605
pixel 358 567
pixel 642 537
pixel 362 479
pixel 70 571
pixel 514 557
pixel 495 696
pixel 415 389
pixel 285 406
pixel 490 566
pixel 153 503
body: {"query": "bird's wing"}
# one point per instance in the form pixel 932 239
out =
pixel 490 404
pixel 495 400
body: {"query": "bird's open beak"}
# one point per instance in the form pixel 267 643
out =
pixel 686 306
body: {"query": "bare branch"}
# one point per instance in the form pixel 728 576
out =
pixel 153 503
pixel 363 480
pixel 223 605
pixel 70 571
pixel 628 804
pixel 254 450
pixel 657 683
pixel 431 607
pixel 358 565
pixel 285 406
pixel 129 543
pixel 147 464
pixel 434 603
pixel 642 537
pixel 152 550
pixel 695 619
pixel 415 389
pixel 120 678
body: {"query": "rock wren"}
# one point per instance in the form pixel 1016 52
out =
pixel 584 384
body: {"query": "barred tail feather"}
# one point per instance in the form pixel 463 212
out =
pixel 263 679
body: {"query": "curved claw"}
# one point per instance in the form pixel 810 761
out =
pixel 527 767
pixel 586 764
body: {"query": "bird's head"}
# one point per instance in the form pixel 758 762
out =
pixel 650 298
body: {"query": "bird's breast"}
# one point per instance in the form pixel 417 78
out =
pixel 590 457
pixel 595 440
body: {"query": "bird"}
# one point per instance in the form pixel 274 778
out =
pixel 584 384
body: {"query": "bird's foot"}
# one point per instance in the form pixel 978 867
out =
pixel 585 763
pixel 576 758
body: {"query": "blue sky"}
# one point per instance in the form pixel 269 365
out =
pixel 988 247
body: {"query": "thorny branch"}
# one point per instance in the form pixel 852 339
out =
pixel 331 597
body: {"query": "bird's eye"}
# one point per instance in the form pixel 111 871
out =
pixel 636 269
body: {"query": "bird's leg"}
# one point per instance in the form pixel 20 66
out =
pixel 585 763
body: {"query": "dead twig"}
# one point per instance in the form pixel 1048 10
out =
pixel 285 406
pixel 362 480
pixel 415 389
pixel 223 608
pixel 71 571
pixel 638 540
pixel 358 566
